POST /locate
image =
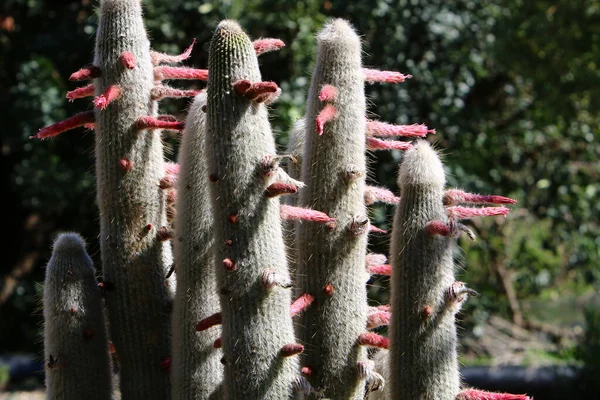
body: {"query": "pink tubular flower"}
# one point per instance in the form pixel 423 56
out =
pixel 374 75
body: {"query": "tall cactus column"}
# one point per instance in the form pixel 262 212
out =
pixel 196 367
pixel 257 333
pixel 425 295
pixel 129 166
pixel 75 342
pixel 423 333
pixel 331 257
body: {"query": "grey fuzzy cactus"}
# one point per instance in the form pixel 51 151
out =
pixel 254 283
pixel 196 364
pixel 331 257
pixel 75 340
pixel 129 167
pixel 425 294
pixel 423 333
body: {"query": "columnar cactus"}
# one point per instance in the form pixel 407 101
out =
pixel 254 283
pixel 75 342
pixel 425 295
pixel 423 333
pixel 331 257
pixel 196 364
pixel 129 166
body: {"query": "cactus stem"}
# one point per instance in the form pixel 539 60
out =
pixel 328 290
pixel 161 91
pixel 473 394
pixel 291 349
pixel 378 144
pixel 383 269
pixel 374 194
pixel 112 93
pixel 291 213
pixel 56 129
pixel 301 304
pixel 378 318
pixel 375 75
pixel 164 233
pixel 127 59
pixel 229 264
pixel 266 45
pixel 327 114
pixel 126 164
pixel 85 73
pixel 458 212
pixel 154 123
pixel 160 58
pixel 208 322
pixel 279 188
pixel 371 339
pixel 81 92
pixel 378 128
pixel 457 196
pixel 163 72
pixel 328 93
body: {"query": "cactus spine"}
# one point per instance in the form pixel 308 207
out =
pixel 258 338
pixel 75 342
pixel 424 363
pixel 331 258
pixel 129 165
pixel 196 366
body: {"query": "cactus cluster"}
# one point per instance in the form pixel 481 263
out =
pixel 227 330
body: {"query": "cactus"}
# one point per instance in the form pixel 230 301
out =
pixel 228 159
pixel 331 258
pixel 425 295
pixel 129 166
pixel 75 342
pixel 258 339
pixel 196 367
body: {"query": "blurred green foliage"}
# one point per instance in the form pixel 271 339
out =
pixel 511 86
